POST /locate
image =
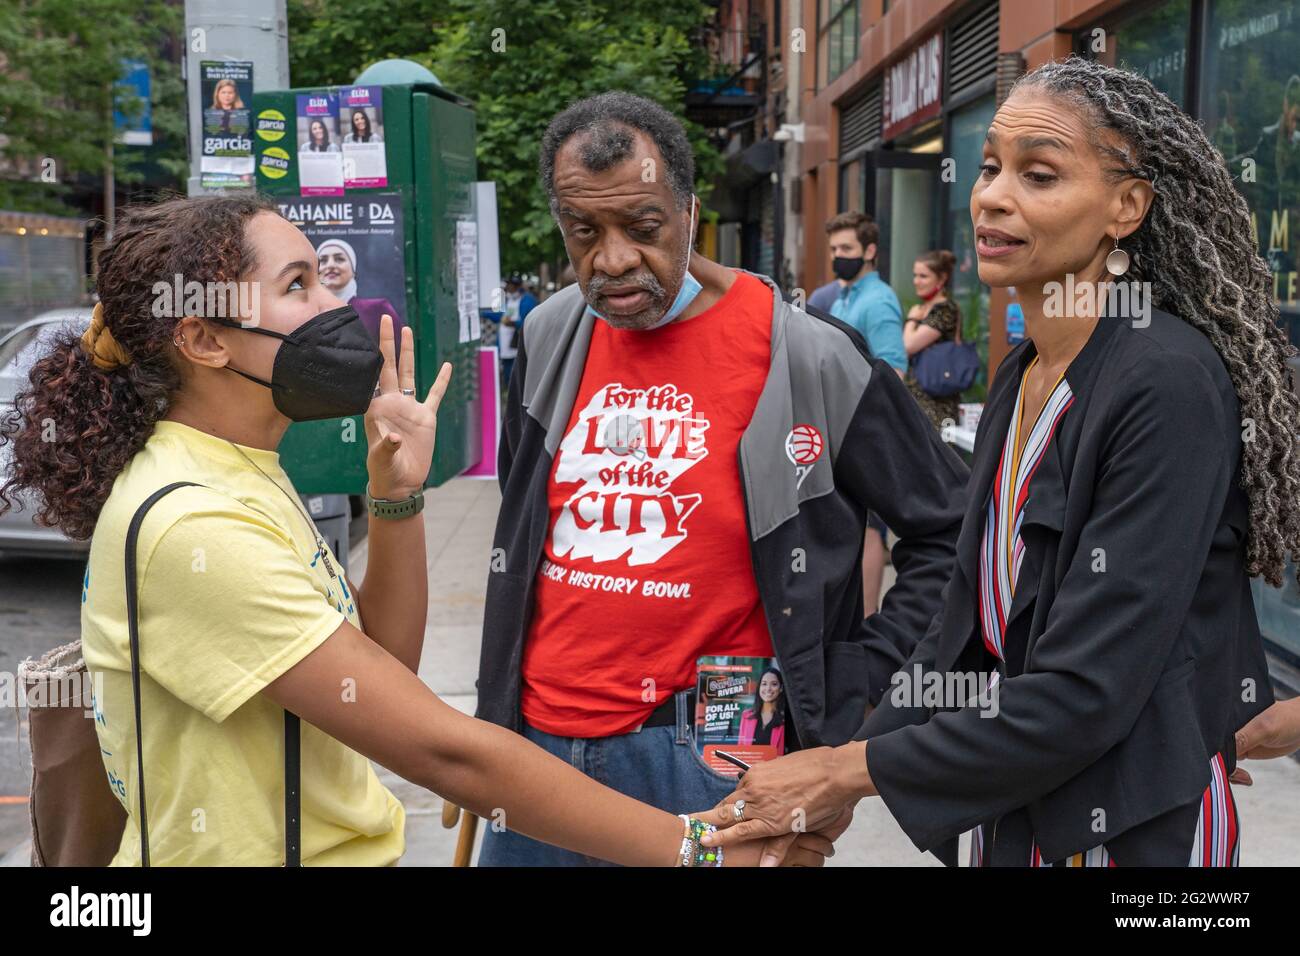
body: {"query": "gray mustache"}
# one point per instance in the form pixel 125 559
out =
pixel 596 287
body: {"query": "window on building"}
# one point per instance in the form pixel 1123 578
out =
pixel 850 193
pixel 966 130
pixel 1250 107
pixel 837 37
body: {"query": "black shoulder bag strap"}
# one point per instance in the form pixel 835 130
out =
pixel 292 741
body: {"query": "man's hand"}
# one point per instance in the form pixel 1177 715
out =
pixel 1273 733
pixel 776 850
pixel 803 792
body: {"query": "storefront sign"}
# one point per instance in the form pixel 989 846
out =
pixel 914 88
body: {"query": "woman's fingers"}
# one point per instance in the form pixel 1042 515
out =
pixel 737 833
pixel 720 816
pixel 406 361
pixel 801 856
pixel 387 374
pixel 439 388
pixel 777 849
pixel 817 842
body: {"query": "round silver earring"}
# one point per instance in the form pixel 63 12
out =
pixel 178 340
pixel 1117 261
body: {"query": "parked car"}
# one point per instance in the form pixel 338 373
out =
pixel 19 532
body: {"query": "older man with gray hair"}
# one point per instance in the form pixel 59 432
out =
pixel 687 463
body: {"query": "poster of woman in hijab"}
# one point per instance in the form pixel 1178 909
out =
pixel 360 255
pixel 337 266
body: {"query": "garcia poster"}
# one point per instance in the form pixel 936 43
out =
pixel 359 252
pixel 226 89
pixel 740 709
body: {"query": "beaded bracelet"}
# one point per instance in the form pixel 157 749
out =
pixel 692 853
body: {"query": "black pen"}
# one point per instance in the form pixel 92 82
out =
pixel 736 761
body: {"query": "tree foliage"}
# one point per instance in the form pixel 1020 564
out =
pixel 62 61
pixel 520 63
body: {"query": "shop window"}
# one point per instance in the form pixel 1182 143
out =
pixel 1250 104
pixel 1152 42
pixel 966 131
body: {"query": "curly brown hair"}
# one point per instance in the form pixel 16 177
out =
pixel 75 426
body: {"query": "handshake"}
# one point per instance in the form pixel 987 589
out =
pixel 789 811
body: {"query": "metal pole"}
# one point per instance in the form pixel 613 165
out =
pixel 110 185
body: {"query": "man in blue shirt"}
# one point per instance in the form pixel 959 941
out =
pixel 868 304
pixel 865 301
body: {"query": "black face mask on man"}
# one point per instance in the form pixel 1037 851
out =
pixel 328 367
pixel 846 267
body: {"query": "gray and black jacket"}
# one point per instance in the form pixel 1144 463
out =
pixel 881 454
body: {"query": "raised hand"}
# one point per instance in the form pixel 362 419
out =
pixel 400 428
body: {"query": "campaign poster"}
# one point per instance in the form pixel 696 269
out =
pixel 226 90
pixel 361 118
pixel 320 155
pixel 359 252
pixel 740 709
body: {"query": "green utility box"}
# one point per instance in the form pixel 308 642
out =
pixel 387 200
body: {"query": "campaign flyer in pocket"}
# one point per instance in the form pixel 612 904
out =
pixel 320 158
pixel 361 117
pixel 740 709
pixel 226 89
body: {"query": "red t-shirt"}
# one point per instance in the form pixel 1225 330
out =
pixel 647 563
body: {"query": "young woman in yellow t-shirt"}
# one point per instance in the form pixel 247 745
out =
pixel 243 612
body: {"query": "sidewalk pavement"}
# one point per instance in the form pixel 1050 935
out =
pixel 459 520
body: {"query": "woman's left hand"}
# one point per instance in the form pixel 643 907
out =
pixel 400 428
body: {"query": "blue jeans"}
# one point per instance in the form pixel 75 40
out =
pixel 656 765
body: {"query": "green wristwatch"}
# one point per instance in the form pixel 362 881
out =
pixel 403 508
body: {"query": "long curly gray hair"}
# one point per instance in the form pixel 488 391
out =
pixel 1198 252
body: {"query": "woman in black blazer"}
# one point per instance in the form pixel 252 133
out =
pixel 1076 700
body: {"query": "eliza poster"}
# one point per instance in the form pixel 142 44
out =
pixel 365 165
pixel 320 157
pixel 740 709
